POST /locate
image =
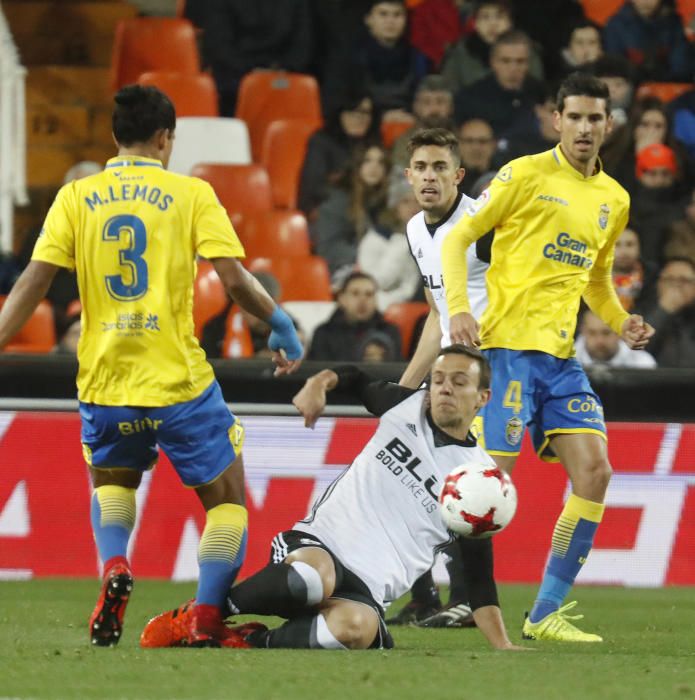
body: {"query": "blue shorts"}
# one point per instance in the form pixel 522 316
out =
pixel 201 437
pixel 546 393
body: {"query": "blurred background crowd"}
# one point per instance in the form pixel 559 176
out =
pixel 488 70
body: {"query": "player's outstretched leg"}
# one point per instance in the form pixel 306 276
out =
pixel 113 518
pixel 339 624
pixel 584 457
pixel 457 612
pixel 424 603
pixel 220 556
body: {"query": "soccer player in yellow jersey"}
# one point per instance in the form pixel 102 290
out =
pixel 556 217
pixel 132 233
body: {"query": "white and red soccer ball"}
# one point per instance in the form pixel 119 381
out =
pixel 477 500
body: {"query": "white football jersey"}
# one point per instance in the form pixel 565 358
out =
pixel 426 248
pixel 381 516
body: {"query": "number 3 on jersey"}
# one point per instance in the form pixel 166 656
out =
pixel 129 231
pixel 512 396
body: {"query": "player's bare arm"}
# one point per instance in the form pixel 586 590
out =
pixel 488 620
pixel 427 348
pixel 246 291
pixel 28 291
pixel 311 398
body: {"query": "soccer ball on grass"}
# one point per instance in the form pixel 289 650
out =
pixel 477 500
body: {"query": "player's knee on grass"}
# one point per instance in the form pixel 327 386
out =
pixel 354 625
pixel 313 565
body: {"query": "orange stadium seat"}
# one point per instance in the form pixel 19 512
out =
pixel 265 96
pixel 241 189
pixel 686 9
pixel 664 91
pixel 192 95
pixel 146 44
pixel 301 279
pixel 600 11
pixel 38 333
pixel 283 153
pixel 392 129
pixel 277 233
pixel 405 315
pixel 237 336
pixel 209 297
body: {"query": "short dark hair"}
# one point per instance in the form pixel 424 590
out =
pixel 512 37
pixel 139 113
pixel 436 136
pixel 357 275
pixel 474 354
pixel 585 85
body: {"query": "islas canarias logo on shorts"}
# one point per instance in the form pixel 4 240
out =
pixel 514 430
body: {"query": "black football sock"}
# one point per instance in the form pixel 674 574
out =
pixel 306 632
pixel 278 589
pixel 458 591
pixel 425 592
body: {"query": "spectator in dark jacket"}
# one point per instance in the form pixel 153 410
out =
pixel 505 98
pixel 241 36
pixel 329 151
pixel 388 65
pixel 649 33
pixel 344 336
pixel 673 315
pixel 468 59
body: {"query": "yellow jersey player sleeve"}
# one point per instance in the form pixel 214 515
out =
pixel 494 205
pixel 56 242
pixel 214 235
pixel 555 233
pixel 600 294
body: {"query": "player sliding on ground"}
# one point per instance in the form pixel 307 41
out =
pixel 132 233
pixel 377 528
pixel 556 217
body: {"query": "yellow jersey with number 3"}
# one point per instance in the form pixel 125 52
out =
pixel 132 233
pixel 555 233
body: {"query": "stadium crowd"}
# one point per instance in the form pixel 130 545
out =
pixel 488 70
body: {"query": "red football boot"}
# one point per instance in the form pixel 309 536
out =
pixel 106 622
pixel 237 637
pixel 170 629
pixel 206 627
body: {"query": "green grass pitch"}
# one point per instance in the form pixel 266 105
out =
pixel 649 652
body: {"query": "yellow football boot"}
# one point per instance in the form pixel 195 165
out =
pixel 557 627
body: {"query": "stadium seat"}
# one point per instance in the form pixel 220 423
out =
pixel 664 91
pixel 209 140
pixel 405 315
pixel 301 279
pixel 392 129
pixel 276 233
pixel 38 333
pixel 600 11
pixel 265 96
pixel 144 44
pixel 192 95
pixel 686 9
pixel 237 336
pixel 241 189
pixel 209 297
pixel 283 153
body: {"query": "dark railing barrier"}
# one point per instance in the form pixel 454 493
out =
pixel 627 395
